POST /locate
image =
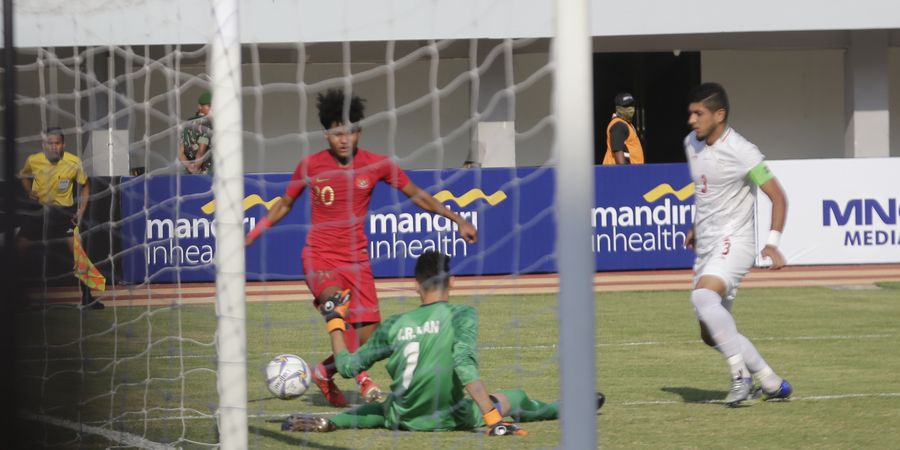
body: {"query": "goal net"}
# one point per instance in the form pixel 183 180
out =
pixel 470 104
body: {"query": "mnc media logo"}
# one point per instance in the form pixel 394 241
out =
pixel 647 227
pixel 877 218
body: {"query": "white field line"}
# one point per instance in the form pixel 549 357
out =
pixel 120 437
pixel 502 347
pixel 212 417
pixel 792 399
pixel 630 403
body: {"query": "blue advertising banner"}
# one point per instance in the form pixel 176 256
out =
pixel 640 222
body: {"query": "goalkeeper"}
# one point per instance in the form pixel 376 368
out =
pixel 431 360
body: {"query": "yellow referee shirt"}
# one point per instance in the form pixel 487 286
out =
pixel 54 183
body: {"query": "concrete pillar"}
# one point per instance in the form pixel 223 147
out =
pixel 494 136
pixel 106 140
pixel 867 103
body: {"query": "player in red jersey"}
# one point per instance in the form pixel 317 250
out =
pixel 341 180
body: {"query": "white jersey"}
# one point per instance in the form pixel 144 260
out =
pixel 724 194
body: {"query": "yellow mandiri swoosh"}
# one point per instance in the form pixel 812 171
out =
pixel 470 197
pixel 249 202
pixel 658 192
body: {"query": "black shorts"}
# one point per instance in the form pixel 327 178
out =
pixel 47 223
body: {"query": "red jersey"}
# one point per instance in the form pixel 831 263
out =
pixel 340 199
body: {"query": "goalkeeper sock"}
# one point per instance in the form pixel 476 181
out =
pixel 524 409
pixel 365 416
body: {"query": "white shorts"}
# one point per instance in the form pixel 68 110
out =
pixel 730 260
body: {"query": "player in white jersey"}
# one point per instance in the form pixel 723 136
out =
pixel 727 169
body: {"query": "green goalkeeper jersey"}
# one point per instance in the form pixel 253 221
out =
pixel 431 357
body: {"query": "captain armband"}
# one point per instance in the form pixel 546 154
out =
pixel 760 174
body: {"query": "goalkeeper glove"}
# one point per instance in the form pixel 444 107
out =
pixel 306 422
pixel 335 309
pixel 497 427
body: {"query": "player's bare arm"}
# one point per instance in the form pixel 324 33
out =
pixel 276 213
pixel 28 184
pixel 776 194
pixel 427 202
pixel 689 239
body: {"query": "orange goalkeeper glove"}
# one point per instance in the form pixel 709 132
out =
pixel 497 427
pixel 335 309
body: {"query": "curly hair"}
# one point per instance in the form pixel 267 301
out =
pixel 331 108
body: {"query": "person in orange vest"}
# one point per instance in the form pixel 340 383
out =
pixel 623 146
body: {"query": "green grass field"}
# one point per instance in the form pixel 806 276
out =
pixel 149 372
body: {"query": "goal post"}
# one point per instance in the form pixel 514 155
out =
pixel 228 189
pixel 575 198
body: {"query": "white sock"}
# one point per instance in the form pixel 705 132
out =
pixel 737 366
pixel 769 380
pixel 721 327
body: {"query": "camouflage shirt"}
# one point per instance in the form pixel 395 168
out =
pixel 198 131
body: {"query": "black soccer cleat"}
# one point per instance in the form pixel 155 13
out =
pixel 601 399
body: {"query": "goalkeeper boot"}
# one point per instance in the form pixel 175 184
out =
pixel 369 391
pixel 330 390
pixel 306 422
pixel 740 391
pixel 601 399
pixel 782 393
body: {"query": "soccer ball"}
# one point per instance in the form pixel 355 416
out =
pixel 287 376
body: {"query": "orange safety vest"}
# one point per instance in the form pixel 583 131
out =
pixel 632 144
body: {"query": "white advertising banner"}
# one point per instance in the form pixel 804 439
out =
pixel 840 211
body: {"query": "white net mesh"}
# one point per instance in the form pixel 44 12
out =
pixel 143 371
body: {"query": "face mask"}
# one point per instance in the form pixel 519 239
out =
pixel 625 112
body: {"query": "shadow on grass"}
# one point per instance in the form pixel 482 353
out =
pixel 694 395
pixel 317 399
pixel 292 439
pixel 314 399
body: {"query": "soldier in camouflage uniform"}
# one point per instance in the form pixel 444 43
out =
pixel 195 150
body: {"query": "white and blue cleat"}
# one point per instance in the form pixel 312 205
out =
pixel 741 390
pixel 783 393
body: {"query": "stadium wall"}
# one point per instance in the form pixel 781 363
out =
pixel 56 23
pixel 789 103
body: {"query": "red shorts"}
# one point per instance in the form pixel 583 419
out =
pixel 322 273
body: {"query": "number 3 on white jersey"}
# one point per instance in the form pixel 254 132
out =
pixel 411 352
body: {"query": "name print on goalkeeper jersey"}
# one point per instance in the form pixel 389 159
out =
pixel 430 355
